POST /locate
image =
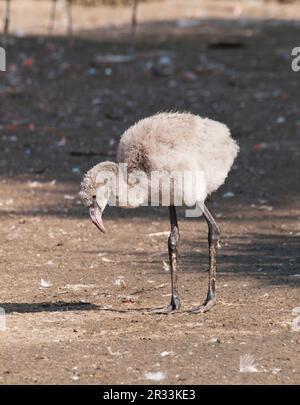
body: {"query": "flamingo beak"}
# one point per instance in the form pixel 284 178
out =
pixel 96 216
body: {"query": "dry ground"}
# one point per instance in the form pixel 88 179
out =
pixel 62 111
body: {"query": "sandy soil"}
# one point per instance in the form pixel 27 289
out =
pixel 101 17
pixel 62 111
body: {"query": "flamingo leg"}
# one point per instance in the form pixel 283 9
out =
pixel 172 247
pixel 213 240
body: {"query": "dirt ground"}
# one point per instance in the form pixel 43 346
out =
pixel 75 300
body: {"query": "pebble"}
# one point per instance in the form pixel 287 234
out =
pixel 229 194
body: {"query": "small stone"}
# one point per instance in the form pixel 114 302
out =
pixel 229 194
pixel 214 340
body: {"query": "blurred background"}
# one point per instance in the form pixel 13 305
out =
pixel 79 72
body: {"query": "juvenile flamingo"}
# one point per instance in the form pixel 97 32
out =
pixel 166 143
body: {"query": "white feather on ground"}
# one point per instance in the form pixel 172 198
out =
pixel 45 284
pixel 154 375
pixel 247 364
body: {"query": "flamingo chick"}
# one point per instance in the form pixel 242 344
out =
pixel 166 143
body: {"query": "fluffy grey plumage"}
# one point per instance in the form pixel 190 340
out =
pixel 182 142
pixel 89 183
pixel 172 142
